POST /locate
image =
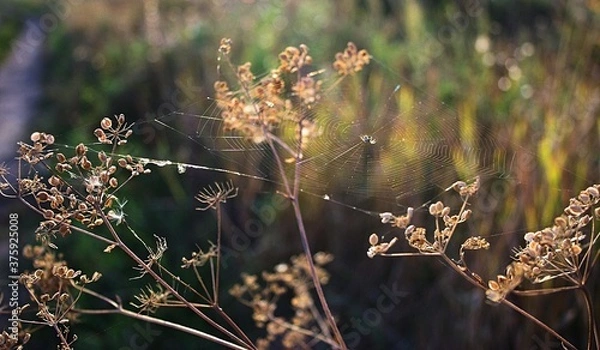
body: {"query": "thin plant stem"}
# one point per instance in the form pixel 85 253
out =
pixel 593 340
pixel 293 196
pixel 118 309
pixel 306 245
pixel 166 285
pixel 506 302
pixel 313 273
pixel 539 323
pixel 218 267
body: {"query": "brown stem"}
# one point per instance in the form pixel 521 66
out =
pixel 292 193
pixel 118 309
pixel 539 323
pixel 510 304
pixel 313 273
pixel 166 285
pixel 593 342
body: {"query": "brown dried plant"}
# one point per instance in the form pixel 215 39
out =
pixel 275 111
pixel 288 282
pixel 76 191
pixel 566 250
pixel 80 196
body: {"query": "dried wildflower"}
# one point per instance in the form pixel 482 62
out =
pixel 401 221
pixel 377 248
pixel 475 243
pixel 52 287
pixel 37 151
pixel 293 278
pixel 244 74
pixel 113 135
pixel 416 237
pixel 154 255
pixel 465 189
pixel 307 89
pixel 351 60
pixel 504 284
pixel 225 46
pixel 211 197
pixel 14 341
pixel 293 59
pixel 151 299
pixel 201 257
pixel 552 252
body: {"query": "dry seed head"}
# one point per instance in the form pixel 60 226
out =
pixel 475 243
pixel 106 123
pixel 225 46
pixel 42 196
pixel 61 158
pixel 350 60
pixel 322 258
pixel 292 59
pixel 80 149
pixel 245 74
pixel 436 209
pixel 593 191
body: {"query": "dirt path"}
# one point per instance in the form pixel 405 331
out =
pixel 20 91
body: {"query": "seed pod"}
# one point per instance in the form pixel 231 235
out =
pixel 106 123
pixel 373 239
pixel 80 149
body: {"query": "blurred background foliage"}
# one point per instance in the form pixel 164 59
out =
pixel 526 72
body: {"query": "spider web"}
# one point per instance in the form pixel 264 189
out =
pixel 385 144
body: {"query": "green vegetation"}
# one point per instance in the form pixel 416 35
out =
pixel 515 82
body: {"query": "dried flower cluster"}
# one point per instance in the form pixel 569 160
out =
pixel 10 342
pixel 351 60
pixel 259 108
pixel 211 197
pixel 80 186
pixel 445 226
pixel 38 150
pixel 110 135
pixel 291 280
pixel 554 251
pixel 52 288
pixel 150 299
pixel 200 258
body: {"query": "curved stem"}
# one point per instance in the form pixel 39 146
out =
pixel 539 323
pixel 593 342
pixel 118 309
pixel 510 304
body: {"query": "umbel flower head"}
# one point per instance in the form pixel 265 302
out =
pixel 260 107
pixel 555 251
